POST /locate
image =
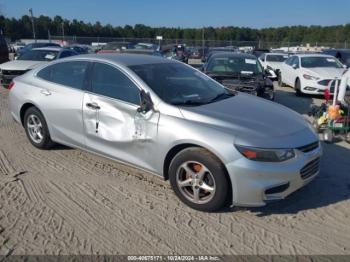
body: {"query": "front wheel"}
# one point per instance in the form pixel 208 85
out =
pixel 280 83
pixel 199 179
pixel 297 88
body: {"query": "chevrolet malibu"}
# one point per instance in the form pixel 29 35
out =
pixel 217 147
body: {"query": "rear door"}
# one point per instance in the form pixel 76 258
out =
pixel 113 127
pixel 60 94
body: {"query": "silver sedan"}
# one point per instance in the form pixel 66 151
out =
pixel 216 147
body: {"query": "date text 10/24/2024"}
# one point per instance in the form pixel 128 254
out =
pixel 172 258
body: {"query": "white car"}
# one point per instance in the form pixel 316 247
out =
pixel 273 61
pixel 29 60
pixel 310 73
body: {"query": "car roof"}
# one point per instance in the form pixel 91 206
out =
pixel 232 54
pixel 124 59
pixel 312 55
pixel 284 54
pixel 49 48
pixel 338 50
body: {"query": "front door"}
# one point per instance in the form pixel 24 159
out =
pixel 113 127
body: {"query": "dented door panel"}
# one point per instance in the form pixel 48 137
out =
pixel 117 130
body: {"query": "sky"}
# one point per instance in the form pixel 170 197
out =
pixel 189 13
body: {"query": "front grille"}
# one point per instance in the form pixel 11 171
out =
pixel 309 147
pixel 324 82
pixel 310 169
pixel 242 87
pixel 13 72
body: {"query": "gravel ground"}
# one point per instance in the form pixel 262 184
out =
pixel 66 201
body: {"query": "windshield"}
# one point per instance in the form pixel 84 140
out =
pixel 346 58
pixel 234 65
pixel 179 84
pixel 320 61
pixel 39 55
pixel 276 58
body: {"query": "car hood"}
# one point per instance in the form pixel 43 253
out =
pixel 254 122
pixel 20 65
pixel 275 65
pixel 325 72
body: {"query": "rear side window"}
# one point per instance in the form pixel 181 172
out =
pixel 70 74
pixel 109 81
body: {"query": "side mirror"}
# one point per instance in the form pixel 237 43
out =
pixel 295 66
pixel 146 102
pixel 268 72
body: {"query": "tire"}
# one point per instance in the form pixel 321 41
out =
pixel 199 171
pixel 280 82
pixel 297 88
pixel 328 136
pixel 36 129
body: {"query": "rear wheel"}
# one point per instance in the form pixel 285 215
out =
pixel 297 87
pixel 199 179
pixel 280 83
pixel 36 129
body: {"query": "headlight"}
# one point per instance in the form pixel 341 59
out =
pixel 266 155
pixel 308 77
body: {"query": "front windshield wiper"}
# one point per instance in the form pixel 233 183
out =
pixel 221 96
pixel 189 103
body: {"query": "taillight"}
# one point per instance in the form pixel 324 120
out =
pixel 11 85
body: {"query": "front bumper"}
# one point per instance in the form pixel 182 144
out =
pixel 313 87
pixel 255 184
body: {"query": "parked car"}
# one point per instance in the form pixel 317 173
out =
pixel 31 46
pixel 215 146
pixel 18 45
pixel 115 47
pixel 141 52
pixel 259 51
pixel 240 72
pixel 144 46
pixel 343 55
pixel 30 60
pixel 80 49
pixel 4 52
pixel 273 62
pixel 177 52
pixel 310 73
pixel 214 50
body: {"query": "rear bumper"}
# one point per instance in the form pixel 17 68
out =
pixel 255 184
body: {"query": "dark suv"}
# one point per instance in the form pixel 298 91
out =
pixel 4 52
pixel 343 55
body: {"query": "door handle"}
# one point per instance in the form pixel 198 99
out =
pixel 45 92
pixel 93 106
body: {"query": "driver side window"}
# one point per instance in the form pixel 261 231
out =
pixel 108 81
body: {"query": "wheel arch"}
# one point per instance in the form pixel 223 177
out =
pixel 24 108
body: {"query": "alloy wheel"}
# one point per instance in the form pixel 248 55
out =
pixel 195 182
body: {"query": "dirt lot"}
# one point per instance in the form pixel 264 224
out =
pixel 66 201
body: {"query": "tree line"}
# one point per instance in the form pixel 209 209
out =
pixel 21 28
